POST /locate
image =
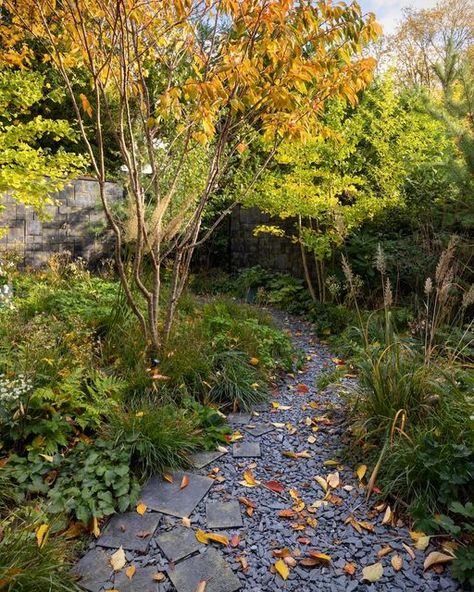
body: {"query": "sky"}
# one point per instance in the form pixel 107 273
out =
pixel 389 12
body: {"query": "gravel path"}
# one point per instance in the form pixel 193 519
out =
pixel 322 525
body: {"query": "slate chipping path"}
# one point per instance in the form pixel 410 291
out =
pixel 265 531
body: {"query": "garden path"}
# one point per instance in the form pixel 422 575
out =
pixel 283 500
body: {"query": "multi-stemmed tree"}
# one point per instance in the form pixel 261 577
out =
pixel 182 86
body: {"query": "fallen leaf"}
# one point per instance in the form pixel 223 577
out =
pixel 201 587
pixel 361 471
pixel 312 522
pixel 201 536
pixel 384 551
pixel 235 436
pixel 184 482
pixel 278 425
pixel 158 577
pixel 304 540
pixel 409 550
pixel 330 463
pixel 388 516
pixel 222 449
pixel 217 538
pixel 319 556
pixel 302 388
pixel 350 568
pixel 246 502
pixel 333 480
pixel 141 508
pixel 250 479
pixel 287 513
pixel 397 562
pixel 422 543
pixel 282 569
pixel 322 482
pixel 281 553
pixel 130 571
pixel 290 561
pixel 372 573
pixel 254 361
pixel 143 534
pixel 168 477
pixel 235 540
pixel 95 527
pixel 244 563
pixel 117 559
pixel 41 534
pixel 366 525
pixel 186 522
pixel 274 486
pixel 311 439
pixel 436 558
pixel 75 529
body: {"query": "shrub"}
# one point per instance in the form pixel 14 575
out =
pixel 158 436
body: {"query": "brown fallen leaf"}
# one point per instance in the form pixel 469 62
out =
pixel 184 482
pixel 304 541
pixel 235 540
pixel 130 571
pixel 117 559
pixel 274 486
pixel 350 568
pixel 302 388
pixel 372 573
pixel 436 558
pixel 333 480
pixel 143 534
pixel 397 562
pixel 95 527
pixel 384 551
pixel 287 513
pixel 409 550
pixel 388 516
pixel 290 561
pixel 244 563
pixel 158 577
pixel 201 587
pixel 280 553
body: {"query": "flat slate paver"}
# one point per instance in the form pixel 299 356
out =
pixel 130 531
pixel 259 429
pixel 202 459
pixel 168 498
pixel 246 450
pixel 239 418
pixel 142 580
pixel 209 566
pixel 94 570
pixel 178 543
pixel 223 515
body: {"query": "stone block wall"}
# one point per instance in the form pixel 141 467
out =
pixel 268 251
pixel 75 223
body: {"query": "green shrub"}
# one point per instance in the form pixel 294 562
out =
pixel 158 436
pixel 27 567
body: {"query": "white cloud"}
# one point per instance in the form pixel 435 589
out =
pixel 389 12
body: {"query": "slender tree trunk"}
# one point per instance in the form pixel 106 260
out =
pixel 304 259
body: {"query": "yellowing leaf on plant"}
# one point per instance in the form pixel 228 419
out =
pixel 436 558
pixel 86 106
pixel 41 534
pixel 361 471
pixel 184 482
pixel 372 573
pixel 282 569
pixel 130 571
pixel 141 508
pixel 117 559
pixel 397 562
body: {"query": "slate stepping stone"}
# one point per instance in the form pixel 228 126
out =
pixel 246 450
pixel 178 543
pixel 259 429
pixel 209 566
pixel 130 531
pixel 239 418
pixel 168 498
pixel 202 459
pixel 223 515
pixel 142 580
pixel 94 570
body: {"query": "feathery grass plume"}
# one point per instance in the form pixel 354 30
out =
pixel 380 262
pixel 468 297
pixel 443 268
pixel 346 268
pixel 387 294
pixel 428 286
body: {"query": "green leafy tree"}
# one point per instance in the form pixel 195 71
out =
pixel 28 170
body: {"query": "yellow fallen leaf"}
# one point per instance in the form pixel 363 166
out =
pixel 282 569
pixel 202 536
pixel 117 559
pixel 235 436
pixel 201 587
pixel 436 558
pixel 41 534
pixel 284 407
pixel 158 577
pixel 254 361
pixel 275 404
pixel 130 571
pixel 319 556
pixel 141 508
pixel 168 477
pixel 422 543
pixel 278 425
pixel 311 439
pixel 415 535
pixel 409 550
pixel 397 562
pixel 250 479
pixel 387 518
pixel 322 482
pixel 218 538
pixel 330 463
pixel 361 471
pixel 372 573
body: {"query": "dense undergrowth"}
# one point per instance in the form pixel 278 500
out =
pixel 86 417
pixel 411 418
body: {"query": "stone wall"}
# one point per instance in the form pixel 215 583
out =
pixel 268 251
pixel 75 223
